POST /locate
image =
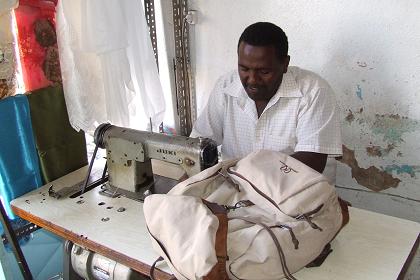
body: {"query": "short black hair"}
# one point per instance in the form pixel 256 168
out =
pixel 266 34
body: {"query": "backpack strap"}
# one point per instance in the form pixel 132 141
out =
pixel 218 272
pixel 322 257
pixel 344 205
pixel 152 268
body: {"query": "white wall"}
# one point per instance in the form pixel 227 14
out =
pixel 369 51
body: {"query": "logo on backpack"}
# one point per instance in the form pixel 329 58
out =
pixel 285 168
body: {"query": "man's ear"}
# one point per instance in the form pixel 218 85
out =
pixel 286 63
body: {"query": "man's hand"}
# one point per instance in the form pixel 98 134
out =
pixel 313 160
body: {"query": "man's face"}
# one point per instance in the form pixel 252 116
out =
pixel 260 70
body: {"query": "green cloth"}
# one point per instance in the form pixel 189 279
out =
pixel 60 148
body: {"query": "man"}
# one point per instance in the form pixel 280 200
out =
pixel 272 106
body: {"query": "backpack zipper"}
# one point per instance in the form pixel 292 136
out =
pixel 239 204
pixel 307 217
pixel 219 172
pixel 256 189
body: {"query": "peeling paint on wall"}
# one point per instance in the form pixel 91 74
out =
pixel 403 169
pixel 377 151
pixel 372 178
pixel 359 92
pixel 392 127
pixel 350 117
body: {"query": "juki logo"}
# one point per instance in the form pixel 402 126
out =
pixel 166 152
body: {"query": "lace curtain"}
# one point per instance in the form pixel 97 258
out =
pixel 107 64
pixel 7 54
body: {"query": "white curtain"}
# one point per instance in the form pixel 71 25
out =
pixel 107 63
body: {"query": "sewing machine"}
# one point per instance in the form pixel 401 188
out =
pixel 129 153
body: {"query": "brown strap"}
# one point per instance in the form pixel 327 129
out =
pixel 345 211
pixel 152 268
pixel 322 257
pixel 344 205
pixel 218 272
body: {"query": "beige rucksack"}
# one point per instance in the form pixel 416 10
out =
pixel 281 216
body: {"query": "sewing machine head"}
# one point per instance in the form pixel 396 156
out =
pixel 129 153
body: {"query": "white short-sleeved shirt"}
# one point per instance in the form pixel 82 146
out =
pixel 301 116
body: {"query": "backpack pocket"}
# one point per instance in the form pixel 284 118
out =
pixel 184 231
pixel 261 251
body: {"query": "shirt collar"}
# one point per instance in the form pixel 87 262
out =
pixel 288 88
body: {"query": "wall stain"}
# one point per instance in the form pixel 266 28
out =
pixel 374 151
pixel 361 64
pixel 350 117
pixel 378 151
pixel 359 92
pixel 372 178
pixel 393 126
pixel 405 168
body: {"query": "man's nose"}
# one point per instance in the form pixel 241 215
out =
pixel 252 77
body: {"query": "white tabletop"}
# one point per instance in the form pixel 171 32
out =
pixel 371 246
